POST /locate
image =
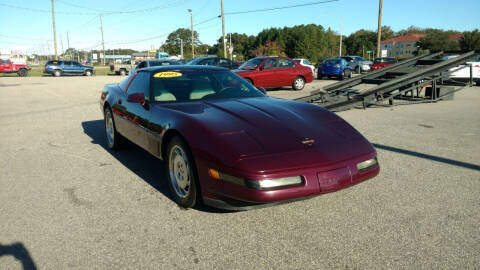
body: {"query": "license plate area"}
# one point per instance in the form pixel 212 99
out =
pixel 334 180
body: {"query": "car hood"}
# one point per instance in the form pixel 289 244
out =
pixel 267 126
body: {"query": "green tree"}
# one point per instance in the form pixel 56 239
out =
pixel 173 44
pixel 360 42
pixel 387 32
pixel 438 40
pixel 470 40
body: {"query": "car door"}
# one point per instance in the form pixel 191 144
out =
pixel 67 67
pixel 266 73
pixel 136 114
pixel 77 68
pixel 285 72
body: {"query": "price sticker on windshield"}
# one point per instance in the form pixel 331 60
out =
pixel 167 74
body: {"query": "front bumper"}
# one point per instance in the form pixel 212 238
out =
pixel 365 67
pixel 317 181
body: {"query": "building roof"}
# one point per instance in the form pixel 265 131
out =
pixel 405 38
pixel 415 38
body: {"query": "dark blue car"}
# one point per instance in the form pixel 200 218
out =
pixel 334 67
pixel 59 67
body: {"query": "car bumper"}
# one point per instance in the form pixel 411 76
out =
pixel 365 68
pixel 316 181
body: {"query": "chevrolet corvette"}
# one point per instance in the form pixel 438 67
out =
pixel 226 144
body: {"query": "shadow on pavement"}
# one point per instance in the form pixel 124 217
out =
pixel 427 156
pixel 146 166
pixel 20 253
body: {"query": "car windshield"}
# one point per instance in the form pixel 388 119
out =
pixel 192 85
pixel 251 64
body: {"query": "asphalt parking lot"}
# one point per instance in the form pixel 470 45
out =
pixel 66 202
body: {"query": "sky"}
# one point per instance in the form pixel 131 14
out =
pixel 145 24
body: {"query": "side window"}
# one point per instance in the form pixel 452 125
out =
pixel 284 63
pixel 270 63
pixel 224 62
pixel 67 63
pixel 5 62
pixel 75 64
pixel 142 65
pixel 306 62
pixel 140 84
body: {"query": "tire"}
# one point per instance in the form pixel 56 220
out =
pixel 57 73
pixel 22 72
pixel 342 76
pixel 112 137
pixel 357 70
pixel 88 72
pixel 319 76
pixel 298 83
pixel 181 173
pixel 249 81
pixel 123 72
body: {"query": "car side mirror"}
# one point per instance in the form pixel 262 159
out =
pixel 262 90
pixel 136 98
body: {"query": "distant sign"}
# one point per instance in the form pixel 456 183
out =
pixel 384 53
pixel 369 51
pixel 230 49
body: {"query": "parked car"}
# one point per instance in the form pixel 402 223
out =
pixel 462 72
pixel 357 63
pixel 306 63
pixel 228 145
pixel 59 67
pixel 123 68
pixel 272 71
pixel 154 63
pixel 7 66
pixel 213 61
pixel 334 67
pixel 382 62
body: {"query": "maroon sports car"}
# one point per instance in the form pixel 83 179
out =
pixel 228 145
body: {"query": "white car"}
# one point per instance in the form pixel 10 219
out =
pixel 462 72
pixel 306 63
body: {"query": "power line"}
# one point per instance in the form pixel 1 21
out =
pixel 277 8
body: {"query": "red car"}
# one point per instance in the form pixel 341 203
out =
pixel 275 72
pixel 7 66
pixel 226 144
pixel 382 62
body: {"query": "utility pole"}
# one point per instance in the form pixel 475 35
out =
pixel 379 30
pixel 68 45
pixel 223 32
pixel 231 50
pixel 191 23
pixel 54 29
pixel 61 44
pixel 103 43
pixel 341 30
pixel 181 47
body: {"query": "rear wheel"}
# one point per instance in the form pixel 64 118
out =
pixel 88 72
pixel 123 72
pixel 22 72
pixel 298 83
pixel 112 137
pixel 181 176
pixel 57 73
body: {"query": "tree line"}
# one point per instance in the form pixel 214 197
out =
pixel 315 42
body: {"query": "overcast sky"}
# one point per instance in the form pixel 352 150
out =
pixel 143 24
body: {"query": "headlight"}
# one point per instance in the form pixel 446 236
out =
pixel 263 184
pixel 367 164
pixel 276 183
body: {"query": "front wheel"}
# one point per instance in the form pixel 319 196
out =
pixel 298 83
pixel 342 76
pixel 22 72
pixel 57 73
pixel 88 73
pixel 112 137
pixel 357 70
pixel 123 72
pixel 181 173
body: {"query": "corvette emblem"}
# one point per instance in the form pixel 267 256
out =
pixel 308 141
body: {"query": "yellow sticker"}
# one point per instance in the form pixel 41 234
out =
pixel 167 74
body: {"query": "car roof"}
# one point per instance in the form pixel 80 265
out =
pixel 183 67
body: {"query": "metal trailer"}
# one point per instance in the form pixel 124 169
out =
pixel 419 79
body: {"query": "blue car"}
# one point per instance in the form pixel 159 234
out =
pixel 59 67
pixel 334 67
